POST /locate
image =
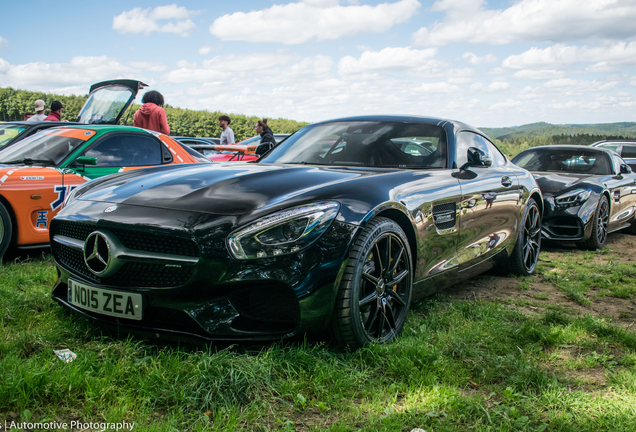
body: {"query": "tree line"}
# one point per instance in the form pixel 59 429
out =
pixel 183 122
pixel 513 146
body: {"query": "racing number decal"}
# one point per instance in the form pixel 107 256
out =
pixel 62 192
pixel 42 220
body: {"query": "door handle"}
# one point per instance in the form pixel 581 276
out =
pixel 505 180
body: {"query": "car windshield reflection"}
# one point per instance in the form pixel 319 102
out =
pixel 365 144
pixel 568 161
pixel 45 148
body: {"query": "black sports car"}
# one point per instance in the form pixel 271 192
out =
pixel 588 192
pixel 336 229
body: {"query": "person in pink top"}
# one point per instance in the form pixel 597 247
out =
pixel 151 115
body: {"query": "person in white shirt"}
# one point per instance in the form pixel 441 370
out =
pixel 227 136
pixel 39 111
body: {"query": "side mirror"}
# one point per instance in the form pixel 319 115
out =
pixel 476 158
pixel 625 169
pixel 86 160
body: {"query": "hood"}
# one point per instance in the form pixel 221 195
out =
pixel 553 183
pixel 148 108
pixel 222 189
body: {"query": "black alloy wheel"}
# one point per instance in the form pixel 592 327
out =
pixel 600 226
pixel 375 291
pixel 525 255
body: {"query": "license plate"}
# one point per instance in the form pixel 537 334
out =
pixel 119 304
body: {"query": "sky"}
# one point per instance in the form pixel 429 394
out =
pixel 495 63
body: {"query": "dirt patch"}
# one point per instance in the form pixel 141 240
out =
pixel 535 295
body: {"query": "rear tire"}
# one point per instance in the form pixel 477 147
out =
pixel 525 255
pixel 6 230
pixel 375 292
pixel 600 225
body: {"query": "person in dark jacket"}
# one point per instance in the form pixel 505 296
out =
pixel 56 112
pixel 267 137
pixel 151 115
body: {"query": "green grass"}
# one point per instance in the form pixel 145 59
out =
pixel 458 366
pixel 576 274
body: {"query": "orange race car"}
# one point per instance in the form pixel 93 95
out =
pixel 38 173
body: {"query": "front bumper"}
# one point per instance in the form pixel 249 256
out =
pixel 215 298
pixel 569 223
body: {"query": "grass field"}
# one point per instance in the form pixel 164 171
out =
pixel 556 351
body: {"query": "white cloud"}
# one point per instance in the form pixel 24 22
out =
pixel 438 87
pixel 529 20
pixel 275 66
pixel 156 66
pixel 539 74
pixel 3 43
pixel 73 77
pixel 475 60
pixel 579 86
pixel 207 49
pixel 307 20
pixel 616 54
pixel 389 59
pixel 506 104
pixel 140 20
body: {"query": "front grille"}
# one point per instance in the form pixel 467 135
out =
pixel 132 239
pixel 131 274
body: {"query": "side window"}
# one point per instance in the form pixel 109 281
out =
pixel 498 159
pixel 123 150
pixel 629 151
pixel 610 146
pixel 465 140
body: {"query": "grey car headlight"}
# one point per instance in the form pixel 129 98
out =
pixel 284 232
pixel 573 198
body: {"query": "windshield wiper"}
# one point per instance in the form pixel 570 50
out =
pixel 28 161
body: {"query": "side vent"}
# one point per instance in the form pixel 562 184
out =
pixel 445 215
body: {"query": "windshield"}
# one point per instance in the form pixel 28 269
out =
pixel 105 105
pixel 374 144
pixel 48 148
pixel 565 160
pixel 8 132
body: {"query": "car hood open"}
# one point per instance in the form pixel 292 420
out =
pixel 222 189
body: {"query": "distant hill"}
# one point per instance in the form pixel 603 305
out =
pixel 623 129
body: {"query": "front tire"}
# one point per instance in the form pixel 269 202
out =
pixel 375 292
pixel 6 230
pixel 525 255
pixel 600 225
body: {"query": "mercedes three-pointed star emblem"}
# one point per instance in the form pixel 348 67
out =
pixel 97 253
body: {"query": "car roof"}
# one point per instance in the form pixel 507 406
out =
pixel 405 118
pixel 617 141
pixel 571 147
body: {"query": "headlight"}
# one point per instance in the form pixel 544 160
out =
pixel 573 198
pixel 284 232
